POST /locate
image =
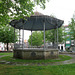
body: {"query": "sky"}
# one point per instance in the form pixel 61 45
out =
pixel 61 9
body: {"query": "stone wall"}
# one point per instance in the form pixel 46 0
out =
pixel 35 53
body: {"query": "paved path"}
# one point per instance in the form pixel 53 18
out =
pixel 66 61
pixel 61 62
pixel 3 55
pixel 43 64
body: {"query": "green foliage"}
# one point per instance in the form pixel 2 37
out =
pixel 37 39
pixel 16 9
pixel 7 34
pixel 41 3
pixel 72 29
pixel 65 35
pixel 50 35
pixel 60 34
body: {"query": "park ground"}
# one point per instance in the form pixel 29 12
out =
pixel 64 65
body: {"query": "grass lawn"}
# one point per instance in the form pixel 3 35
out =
pixel 11 59
pixel 6 54
pixel 36 70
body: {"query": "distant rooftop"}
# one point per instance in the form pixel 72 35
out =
pixel 66 25
pixel 37 14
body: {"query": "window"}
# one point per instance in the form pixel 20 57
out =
pixel 67 42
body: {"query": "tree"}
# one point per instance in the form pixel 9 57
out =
pixel 50 35
pixel 7 35
pixel 37 39
pixel 15 9
pixel 72 29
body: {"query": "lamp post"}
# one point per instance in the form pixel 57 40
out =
pixel 31 38
pixel 14 36
pixel 23 38
pixel 44 35
pixel 57 37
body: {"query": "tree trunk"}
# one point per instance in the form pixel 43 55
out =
pixel 74 43
pixel 7 47
pixel 53 43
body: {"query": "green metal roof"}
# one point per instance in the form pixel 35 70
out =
pixel 36 22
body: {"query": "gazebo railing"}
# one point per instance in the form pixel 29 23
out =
pixel 17 45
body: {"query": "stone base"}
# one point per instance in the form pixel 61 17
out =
pixel 35 53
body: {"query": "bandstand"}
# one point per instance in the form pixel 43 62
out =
pixel 36 22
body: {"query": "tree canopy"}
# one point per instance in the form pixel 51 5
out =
pixel 37 39
pixel 50 35
pixel 15 9
pixel 7 34
pixel 72 29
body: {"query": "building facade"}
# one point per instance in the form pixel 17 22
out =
pixel 69 43
pixel 67 37
pixel 3 46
